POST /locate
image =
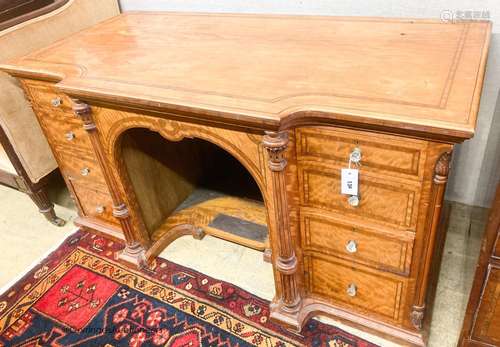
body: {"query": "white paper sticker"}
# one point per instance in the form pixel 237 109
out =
pixel 349 181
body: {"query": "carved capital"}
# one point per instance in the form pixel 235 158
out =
pixel 84 112
pixel 417 316
pixel 120 211
pixel 287 266
pixel 442 168
pixel 276 144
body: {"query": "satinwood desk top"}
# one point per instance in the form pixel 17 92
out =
pixel 268 72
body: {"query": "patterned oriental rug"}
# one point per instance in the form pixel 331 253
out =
pixel 81 296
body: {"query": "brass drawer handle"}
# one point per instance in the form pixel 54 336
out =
pixel 56 102
pixel 355 156
pixel 70 136
pixel 352 290
pixel 353 200
pixel 351 246
pixel 100 209
pixel 85 171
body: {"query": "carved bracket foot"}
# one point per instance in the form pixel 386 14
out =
pixel 280 314
pixel 135 255
pixel 417 316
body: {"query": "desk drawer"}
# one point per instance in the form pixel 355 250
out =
pixel 337 237
pixel 94 203
pixel 81 167
pixel 44 95
pixel 64 131
pixel 381 200
pixel 366 291
pixel 380 154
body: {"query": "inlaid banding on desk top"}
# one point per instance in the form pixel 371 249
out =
pixel 275 69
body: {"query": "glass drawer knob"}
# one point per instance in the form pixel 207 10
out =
pixel 355 156
pixel 56 102
pixel 351 289
pixel 353 200
pixel 85 171
pixel 70 136
pixel 351 246
pixel 100 209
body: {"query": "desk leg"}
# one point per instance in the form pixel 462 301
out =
pixel 133 252
pixel 440 178
pixel 287 304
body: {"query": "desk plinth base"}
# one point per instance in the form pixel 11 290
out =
pixel 313 308
pixel 134 256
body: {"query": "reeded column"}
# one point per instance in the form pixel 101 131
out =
pixel 133 251
pixel 285 261
pixel 441 171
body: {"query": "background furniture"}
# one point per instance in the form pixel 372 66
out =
pixel 26 160
pixel 482 319
pixel 13 12
pixel 161 120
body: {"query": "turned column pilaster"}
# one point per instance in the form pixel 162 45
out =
pixel 286 260
pixel 439 180
pixel 133 251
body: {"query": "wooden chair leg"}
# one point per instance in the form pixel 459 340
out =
pixel 23 183
pixel 45 207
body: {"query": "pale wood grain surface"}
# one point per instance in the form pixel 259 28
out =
pixel 268 72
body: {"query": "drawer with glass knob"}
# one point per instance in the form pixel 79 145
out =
pixel 44 95
pixel 360 289
pixel 374 154
pixel 93 203
pixel 81 167
pixel 65 132
pixel 388 202
pixel 339 237
pixel 55 113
